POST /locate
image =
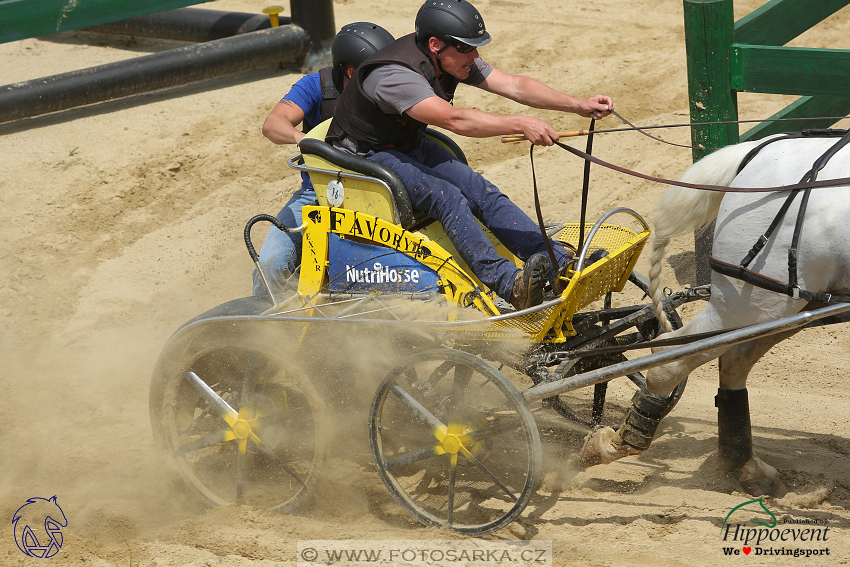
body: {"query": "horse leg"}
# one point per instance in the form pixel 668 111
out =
pixel 605 445
pixel 635 434
pixel 734 430
pixel 727 308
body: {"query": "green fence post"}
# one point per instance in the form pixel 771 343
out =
pixel 709 31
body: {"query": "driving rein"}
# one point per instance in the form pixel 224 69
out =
pixel 721 188
pixel 806 184
pixel 741 271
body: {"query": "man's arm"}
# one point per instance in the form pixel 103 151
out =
pixel 279 126
pixel 478 124
pixel 531 92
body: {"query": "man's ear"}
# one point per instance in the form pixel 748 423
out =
pixel 349 70
pixel 434 44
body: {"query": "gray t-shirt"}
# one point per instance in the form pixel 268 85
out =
pixel 396 88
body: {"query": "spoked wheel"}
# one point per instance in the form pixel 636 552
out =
pixel 454 442
pixel 244 425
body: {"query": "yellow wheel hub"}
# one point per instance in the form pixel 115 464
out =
pixel 455 438
pixel 241 429
pixel 451 444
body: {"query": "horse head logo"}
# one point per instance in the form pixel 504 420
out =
pixel 423 252
pixel 760 501
pixel 38 527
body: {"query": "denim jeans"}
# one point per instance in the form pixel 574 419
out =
pixel 455 195
pixel 281 251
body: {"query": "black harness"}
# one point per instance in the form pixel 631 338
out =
pixel 330 80
pixel 792 289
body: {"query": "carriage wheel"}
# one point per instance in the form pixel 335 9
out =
pixel 454 442
pixel 244 425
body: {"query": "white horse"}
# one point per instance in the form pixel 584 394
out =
pixel 823 266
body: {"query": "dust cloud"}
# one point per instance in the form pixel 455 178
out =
pixel 123 220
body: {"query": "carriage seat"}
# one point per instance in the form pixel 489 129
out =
pixel 374 188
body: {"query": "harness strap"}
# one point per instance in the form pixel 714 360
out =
pixel 760 243
pixel 819 164
pixel 770 284
pixel 585 186
pixel 754 152
pixel 810 176
pixel 553 261
pixel 757 247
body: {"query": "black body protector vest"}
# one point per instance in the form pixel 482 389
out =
pixel 330 94
pixel 360 118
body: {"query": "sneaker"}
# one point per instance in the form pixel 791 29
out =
pixel 529 283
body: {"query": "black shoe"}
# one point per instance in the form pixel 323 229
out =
pixel 529 283
pixel 562 280
pixel 595 256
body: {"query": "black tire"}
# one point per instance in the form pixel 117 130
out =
pixel 271 459
pixel 454 442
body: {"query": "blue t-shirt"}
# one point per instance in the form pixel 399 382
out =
pixel 307 94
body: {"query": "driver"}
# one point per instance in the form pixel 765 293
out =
pixel 409 85
pixel 312 101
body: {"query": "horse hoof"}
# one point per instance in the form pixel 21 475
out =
pixel 599 448
pixel 760 479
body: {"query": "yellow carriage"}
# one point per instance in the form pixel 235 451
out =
pixel 451 436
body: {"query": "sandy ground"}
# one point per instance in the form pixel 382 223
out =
pixel 124 219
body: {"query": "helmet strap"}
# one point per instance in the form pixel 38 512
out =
pixel 439 62
pixel 423 47
pixel 337 75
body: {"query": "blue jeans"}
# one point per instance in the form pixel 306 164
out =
pixel 455 195
pixel 280 255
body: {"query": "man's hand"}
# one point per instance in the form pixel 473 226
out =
pixel 537 131
pixel 596 107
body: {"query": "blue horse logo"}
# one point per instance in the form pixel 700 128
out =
pixel 38 527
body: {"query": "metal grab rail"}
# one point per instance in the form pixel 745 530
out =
pixel 673 354
pixel 586 247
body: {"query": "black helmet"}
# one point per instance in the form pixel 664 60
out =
pixel 451 21
pixel 356 42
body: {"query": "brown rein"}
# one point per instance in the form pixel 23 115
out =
pixel 633 128
pixel 812 184
pixel 657 139
pixel 590 159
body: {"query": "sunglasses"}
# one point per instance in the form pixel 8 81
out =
pixel 463 48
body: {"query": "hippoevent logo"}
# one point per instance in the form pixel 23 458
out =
pixel 793 537
pixel 38 527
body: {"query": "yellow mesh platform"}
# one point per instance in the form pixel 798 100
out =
pixel 624 246
pixel 534 324
pixel 554 324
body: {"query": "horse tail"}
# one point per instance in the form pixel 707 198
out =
pixel 682 209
